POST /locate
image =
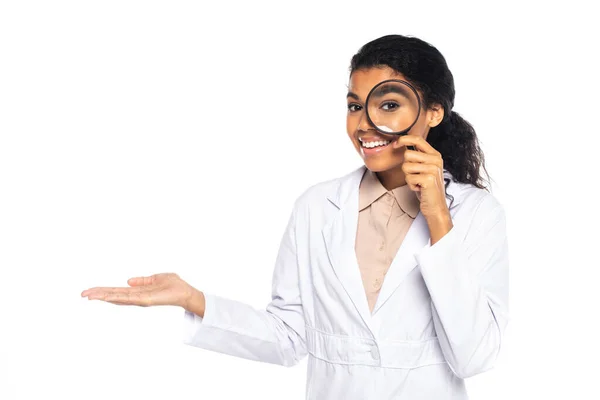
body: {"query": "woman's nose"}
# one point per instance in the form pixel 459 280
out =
pixel 363 123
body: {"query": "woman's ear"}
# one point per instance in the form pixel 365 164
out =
pixel 435 115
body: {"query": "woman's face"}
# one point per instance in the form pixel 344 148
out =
pixel 391 155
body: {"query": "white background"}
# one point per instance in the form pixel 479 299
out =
pixel 140 137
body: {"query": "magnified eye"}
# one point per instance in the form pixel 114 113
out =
pixel 354 107
pixel 390 106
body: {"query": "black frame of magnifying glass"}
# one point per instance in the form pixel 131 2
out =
pixel 402 132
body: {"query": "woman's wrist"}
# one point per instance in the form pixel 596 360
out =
pixel 439 225
pixel 196 303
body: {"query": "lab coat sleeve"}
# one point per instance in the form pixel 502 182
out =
pixel 274 335
pixel 466 273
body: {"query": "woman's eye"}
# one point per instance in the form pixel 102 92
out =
pixel 389 106
pixel 353 107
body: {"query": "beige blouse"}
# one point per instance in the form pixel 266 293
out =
pixel 383 220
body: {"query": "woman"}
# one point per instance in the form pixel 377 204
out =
pixel 419 218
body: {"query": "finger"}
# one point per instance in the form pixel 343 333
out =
pixel 420 168
pixel 91 290
pixel 424 181
pixel 123 298
pixel 411 182
pixel 110 289
pixel 101 291
pixel 118 303
pixel 141 281
pixel 417 156
pixel 418 142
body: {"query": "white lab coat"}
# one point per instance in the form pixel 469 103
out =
pixel 439 317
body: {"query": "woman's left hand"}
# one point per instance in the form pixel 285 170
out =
pixel 424 171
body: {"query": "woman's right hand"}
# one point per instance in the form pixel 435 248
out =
pixel 155 290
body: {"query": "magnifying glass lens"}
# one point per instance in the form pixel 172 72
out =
pixel 393 107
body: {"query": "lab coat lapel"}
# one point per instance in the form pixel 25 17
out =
pixel 404 262
pixel 340 238
pixel 416 238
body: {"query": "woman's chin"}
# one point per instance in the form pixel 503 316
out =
pixel 379 165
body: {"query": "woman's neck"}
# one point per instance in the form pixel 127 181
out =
pixel 392 178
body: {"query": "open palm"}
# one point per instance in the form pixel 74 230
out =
pixel 155 290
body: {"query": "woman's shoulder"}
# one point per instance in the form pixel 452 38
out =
pixel 475 203
pixel 333 190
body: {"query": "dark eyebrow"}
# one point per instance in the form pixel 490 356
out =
pixel 353 95
pixel 385 89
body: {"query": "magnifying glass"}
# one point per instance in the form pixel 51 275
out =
pixel 393 107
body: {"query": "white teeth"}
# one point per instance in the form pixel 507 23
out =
pixel 370 145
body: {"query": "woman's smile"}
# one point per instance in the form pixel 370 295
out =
pixel 373 145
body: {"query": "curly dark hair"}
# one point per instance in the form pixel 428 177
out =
pixel 426 68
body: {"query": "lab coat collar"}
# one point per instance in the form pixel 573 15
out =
pixel 350 183
pixel 339 235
